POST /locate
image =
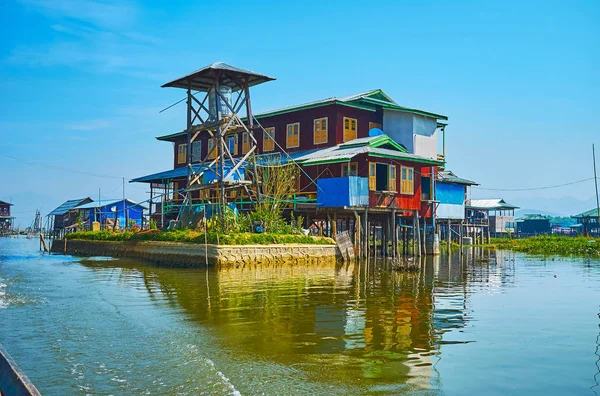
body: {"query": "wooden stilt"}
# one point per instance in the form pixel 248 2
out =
pixel 394 227
pixel 418 233
pixel 449 236
pixel 334 225
pixel 366 234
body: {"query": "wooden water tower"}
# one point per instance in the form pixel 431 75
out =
pixel 216 97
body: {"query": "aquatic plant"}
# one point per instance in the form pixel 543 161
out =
pixel 561 245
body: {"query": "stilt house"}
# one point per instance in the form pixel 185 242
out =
pixel 6 220
pixel 376 156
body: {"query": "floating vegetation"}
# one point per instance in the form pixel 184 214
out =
pixel 561 245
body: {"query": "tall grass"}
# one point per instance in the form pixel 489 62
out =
pixel 561 245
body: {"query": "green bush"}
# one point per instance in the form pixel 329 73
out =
pixel 191 236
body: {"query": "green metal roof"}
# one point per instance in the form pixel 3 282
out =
pixel 532 217
pixel 369 101
pixel 589 213
pixel 449 177
pixel 168 138
pixel 371 146
pixel 392 106
pixel 374 141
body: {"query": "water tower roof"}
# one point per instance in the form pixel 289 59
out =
pixel 231 76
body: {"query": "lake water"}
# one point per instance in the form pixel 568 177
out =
pixel 484 323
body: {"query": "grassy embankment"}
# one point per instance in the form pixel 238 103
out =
pixel 560 245
pixel 190 236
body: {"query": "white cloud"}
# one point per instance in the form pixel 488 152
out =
pixel 102 13
pixel 95 35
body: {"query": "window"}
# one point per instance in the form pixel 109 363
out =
pixel 374 125
pixel 211 145
pixel 196 151
pixel 320 131
pixel 350 127
pixel 372 176
pixel 269 139
pixel 245 142
pixel 350 169
pixel 293 135
pixel 407 183
pixel 392 178
pixel 232 144
pixel 181 153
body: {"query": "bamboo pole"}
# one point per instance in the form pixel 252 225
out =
pixel 596 183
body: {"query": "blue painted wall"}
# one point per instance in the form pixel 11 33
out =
pixel 450 193
pixel 134 212
pixel 452 201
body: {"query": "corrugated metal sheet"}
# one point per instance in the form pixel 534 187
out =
pixel 107 202
pixel 490 204
pixel 66 206
pixel 345 151
pixel 202 79
pixel 450 177
pixel 340 192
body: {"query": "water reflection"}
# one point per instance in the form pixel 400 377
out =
pixel 364 325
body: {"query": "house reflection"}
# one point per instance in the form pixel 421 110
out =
pixel 362 323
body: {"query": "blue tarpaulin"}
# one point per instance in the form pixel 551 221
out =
pixel 343 191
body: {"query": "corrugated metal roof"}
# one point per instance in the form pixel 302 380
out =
pixel 107 202
pixel 450 177
pixel 589 213
pixel 392 106
pixel 5 203
pixel 532 216
pixel 176 173
pixel 66 206
pixel 202 79
pixel 371 145
pixel 164 175
pixel 489 204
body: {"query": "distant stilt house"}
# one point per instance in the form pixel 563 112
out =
pixel 65 215
pixel 6 220
pixel 495 216
pixel 113 212
pixel 588 222
pixel 533 224
pixel 451 194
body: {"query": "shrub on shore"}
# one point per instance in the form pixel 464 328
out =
pixel 561 245
pixel 191 236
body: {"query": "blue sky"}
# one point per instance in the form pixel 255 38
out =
pixel 81 83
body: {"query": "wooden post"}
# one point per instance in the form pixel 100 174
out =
pixel 418 233
pixel 394 226
pixel 367 231
pixel 405 237
pixel 334 225
pixel 424 237
pixel 357 240
pixel 449 236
